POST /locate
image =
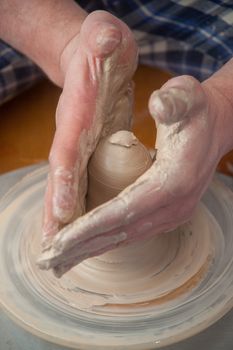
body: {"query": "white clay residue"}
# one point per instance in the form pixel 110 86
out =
pixel 123 138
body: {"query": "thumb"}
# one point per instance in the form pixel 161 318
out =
pixel 180 98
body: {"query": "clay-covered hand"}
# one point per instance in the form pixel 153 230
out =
pixel 191 121
pixel 96 100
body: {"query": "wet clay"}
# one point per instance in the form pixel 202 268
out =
pixel 117 162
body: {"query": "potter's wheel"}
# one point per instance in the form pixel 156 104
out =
pixel 68 312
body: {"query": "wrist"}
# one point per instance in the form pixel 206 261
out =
pixel 64 52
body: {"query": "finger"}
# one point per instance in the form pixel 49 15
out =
pixel 99 245
pixel 119 32
pixel 132 204
pixel 166 217
pixel 178 99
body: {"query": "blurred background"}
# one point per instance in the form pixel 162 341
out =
pixel 27 123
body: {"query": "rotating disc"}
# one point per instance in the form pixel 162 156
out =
pixel 186 286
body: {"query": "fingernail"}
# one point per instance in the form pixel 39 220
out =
pixel 160 106
pixel 107 39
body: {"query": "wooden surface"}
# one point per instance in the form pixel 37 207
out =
pixel 27 123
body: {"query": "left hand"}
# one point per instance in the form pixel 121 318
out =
pixel 96 100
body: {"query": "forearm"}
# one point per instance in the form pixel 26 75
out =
pixel 41 30
pixel 222 83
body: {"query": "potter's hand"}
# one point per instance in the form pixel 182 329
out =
pixel 96 100
pixel 190 119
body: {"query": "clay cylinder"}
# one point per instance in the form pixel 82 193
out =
pixel 117 162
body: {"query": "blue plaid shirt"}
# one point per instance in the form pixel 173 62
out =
pixel 181 36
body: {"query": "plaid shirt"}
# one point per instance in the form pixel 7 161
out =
pixel 181 36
